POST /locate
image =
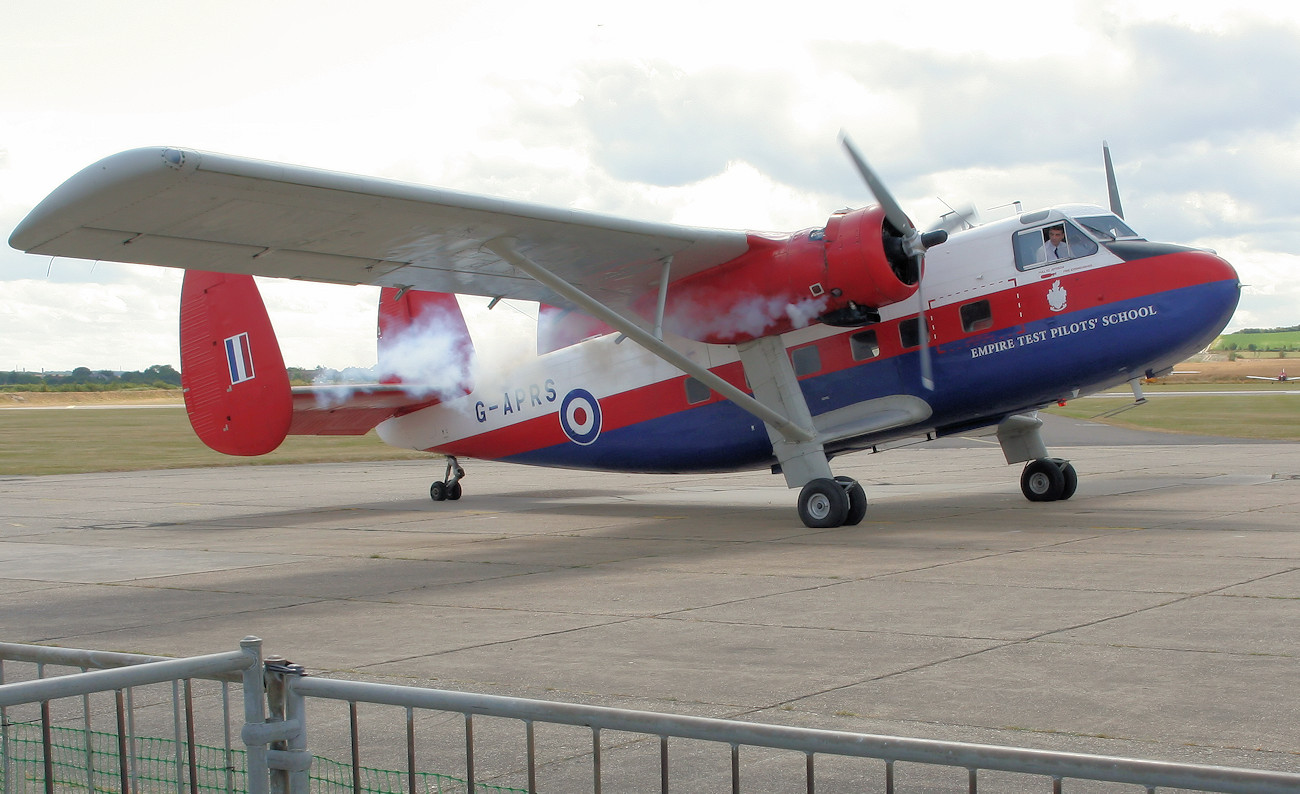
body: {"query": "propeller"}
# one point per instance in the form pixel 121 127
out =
pixel 1111 186
pixel 914 244
pixel 957 219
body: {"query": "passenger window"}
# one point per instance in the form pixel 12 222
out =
pixel 696 392
pixel 977 316
pixel 864 345
pixel 806 360
pixel 1055 242
pixel 909 332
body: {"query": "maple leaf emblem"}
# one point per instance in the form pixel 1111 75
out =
pixel 1056 297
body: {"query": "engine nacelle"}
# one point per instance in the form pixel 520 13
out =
pixel 837 275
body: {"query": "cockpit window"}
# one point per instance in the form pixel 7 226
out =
pixel 1054 242
pixel 1108 227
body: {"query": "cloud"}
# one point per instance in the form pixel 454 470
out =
pixel 728 121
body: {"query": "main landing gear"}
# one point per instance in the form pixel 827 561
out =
pixel 1048 479
pixel 826 503
pixel 449 486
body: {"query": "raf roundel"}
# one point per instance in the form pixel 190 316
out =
pixel 580 417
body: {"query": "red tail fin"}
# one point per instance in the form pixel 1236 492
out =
pixel 236 386
pixel 558 328
pixel 423 341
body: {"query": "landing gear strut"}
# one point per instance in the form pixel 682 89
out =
pixel 449 486
pixel 826 503
pixel 1048 479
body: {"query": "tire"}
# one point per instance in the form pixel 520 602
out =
pixel 453 491
pixel 1042 481
pixel 1070 475
pixel 438 491
pixel 857 501
pixel 823 504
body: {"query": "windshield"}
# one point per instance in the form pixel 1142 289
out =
pixel 1108 227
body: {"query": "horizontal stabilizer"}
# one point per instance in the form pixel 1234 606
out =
pixel 236 387
pixel 350 409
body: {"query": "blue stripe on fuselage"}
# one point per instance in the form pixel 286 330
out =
pixel 983 377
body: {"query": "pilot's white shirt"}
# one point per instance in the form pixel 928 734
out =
pixel 1050 252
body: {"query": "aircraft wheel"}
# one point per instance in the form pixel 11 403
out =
pixel 438 491
pixel 823 503
pixel 1070 475
pixel 453 491
pixel 1042 481
pixel 857 501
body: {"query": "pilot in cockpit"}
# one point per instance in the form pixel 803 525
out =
pixel 1055 246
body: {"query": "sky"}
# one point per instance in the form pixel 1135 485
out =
pixel 716 114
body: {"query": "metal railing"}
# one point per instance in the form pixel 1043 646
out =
pixel 275 730
pixel 122 675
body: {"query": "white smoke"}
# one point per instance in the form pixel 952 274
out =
pixel 753 316
pixel 430 358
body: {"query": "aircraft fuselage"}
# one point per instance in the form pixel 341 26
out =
pixel 1008 333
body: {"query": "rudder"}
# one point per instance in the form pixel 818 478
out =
pixel 232 372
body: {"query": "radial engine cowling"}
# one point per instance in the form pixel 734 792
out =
pixel 838 275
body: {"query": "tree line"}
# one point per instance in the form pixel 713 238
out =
pixel 158 376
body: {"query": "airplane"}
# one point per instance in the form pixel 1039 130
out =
pixel 1280 378
pixel 748 350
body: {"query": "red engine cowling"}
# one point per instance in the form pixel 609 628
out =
pixel 821 275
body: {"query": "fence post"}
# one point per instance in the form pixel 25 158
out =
pixel 254 715
pixel 288 759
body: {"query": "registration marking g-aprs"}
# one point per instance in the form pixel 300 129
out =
pixel 580 417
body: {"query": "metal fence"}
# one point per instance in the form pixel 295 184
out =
pixel 271 752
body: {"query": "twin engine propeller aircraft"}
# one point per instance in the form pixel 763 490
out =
pixel 750 349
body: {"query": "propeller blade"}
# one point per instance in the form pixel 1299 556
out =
pixel 956 219
pixel 927 370
pixel 1111 187
pixel 915 243
pixel 892 210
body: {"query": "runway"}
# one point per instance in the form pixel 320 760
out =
pixel 1154 615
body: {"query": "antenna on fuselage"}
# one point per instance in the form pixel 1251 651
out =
pixel 1111 187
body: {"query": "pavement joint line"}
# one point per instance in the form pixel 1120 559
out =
pixel 493 643
pixel 1003 645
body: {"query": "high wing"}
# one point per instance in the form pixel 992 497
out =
pixel 199 210
pixel 225 214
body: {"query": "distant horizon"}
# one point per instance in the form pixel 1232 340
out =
pixel 317 367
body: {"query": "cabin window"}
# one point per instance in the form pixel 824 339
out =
pixel 806 360
pixel 977 316
pixel 909 332
pixel 1054 242
pixel 696 392
pixel 864 345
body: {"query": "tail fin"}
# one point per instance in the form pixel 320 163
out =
pixel 559 328
pixel 236 387
pixel 424 341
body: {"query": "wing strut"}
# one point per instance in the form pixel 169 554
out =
pixel 789 430
pixel 663 297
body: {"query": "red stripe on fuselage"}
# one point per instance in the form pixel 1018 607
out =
pixel 1027 302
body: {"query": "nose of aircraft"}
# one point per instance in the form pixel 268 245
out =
pixel 1224 289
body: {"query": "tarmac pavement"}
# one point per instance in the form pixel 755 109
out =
pixel 1154 615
